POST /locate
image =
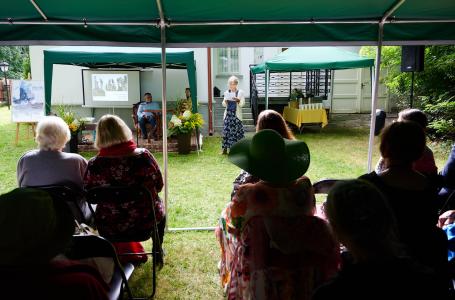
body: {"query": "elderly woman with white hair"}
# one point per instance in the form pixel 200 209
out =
pixel 49 165
pixel 233 100
pixel 120 163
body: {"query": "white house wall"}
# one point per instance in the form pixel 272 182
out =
pixel 348 96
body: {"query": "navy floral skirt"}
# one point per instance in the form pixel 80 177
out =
pixel 232 130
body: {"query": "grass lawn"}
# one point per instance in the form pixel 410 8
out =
pixel 199 188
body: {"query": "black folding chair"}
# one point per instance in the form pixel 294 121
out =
pixel 89 246
pixel 324 186
pixel 74 197
pixel 121 194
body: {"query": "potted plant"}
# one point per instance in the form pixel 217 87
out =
pixel 182 127
pixel 74 124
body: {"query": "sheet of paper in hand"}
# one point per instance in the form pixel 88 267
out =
pixel 231 103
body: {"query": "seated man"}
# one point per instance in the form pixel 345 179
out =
pixel 145 114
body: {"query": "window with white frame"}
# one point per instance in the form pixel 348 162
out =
pixel 228 61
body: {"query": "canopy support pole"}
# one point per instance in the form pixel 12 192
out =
pixel 164 104
pixel 267 80
pixel 377 72
pixel 332 79
pixel 209 89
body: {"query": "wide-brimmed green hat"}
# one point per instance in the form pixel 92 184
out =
pixel 270 157
pixel 33 227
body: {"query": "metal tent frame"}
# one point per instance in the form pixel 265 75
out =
pixel 164 23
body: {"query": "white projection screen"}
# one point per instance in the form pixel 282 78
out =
pixel 111 88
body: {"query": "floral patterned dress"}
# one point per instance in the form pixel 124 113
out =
pixel 139 168
pixel 261 256
pixel 232 129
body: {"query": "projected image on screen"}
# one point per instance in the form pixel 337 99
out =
pixel 110 87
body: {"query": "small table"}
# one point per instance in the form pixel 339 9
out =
pixel 305 116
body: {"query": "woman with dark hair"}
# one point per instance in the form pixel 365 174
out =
pixel 267 119
pixel 363 222
pixel 411 196
pixel 425 164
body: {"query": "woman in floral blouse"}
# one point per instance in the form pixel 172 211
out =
pixel 121 163
pixel 279 250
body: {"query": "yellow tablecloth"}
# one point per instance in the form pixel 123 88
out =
pixel 302 116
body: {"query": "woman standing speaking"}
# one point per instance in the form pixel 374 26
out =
pixel 233 100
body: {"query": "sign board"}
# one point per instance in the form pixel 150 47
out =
pixel 27 100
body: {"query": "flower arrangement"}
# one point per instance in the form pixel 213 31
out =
pixel 70 118
pixel 185 123
pixel 296 94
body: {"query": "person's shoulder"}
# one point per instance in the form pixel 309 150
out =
pixel 303 180
pixel 30 153
pixel 142 153
pixel 372 176
pixel 73 156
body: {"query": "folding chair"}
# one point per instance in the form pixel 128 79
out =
pixel 88 246
pixel 75 199
pixel 119 195
pixel 323 186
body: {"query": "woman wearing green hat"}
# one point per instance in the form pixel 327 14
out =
pixel 282 250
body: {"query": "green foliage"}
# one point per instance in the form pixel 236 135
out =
pixel 296 94
pixel 182 105
pixel 70 118
pixel 185 123
pixel 434 88
pixel 442 117
pixel 18 59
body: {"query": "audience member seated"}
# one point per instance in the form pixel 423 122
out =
pixel 49 165
pixel 120 162
pixel 268 260
pixel 267 119
pixel 146 116
pixel 362 221
pixel 448 175
pixel 35 232
pixel 425 164
pixel 411 195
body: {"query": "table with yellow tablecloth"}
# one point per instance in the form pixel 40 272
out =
pixel 303 116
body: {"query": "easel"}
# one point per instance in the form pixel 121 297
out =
pixel 30 126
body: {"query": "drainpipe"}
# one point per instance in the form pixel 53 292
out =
pixel 209 89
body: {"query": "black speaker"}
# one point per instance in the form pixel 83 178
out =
pixel 412 58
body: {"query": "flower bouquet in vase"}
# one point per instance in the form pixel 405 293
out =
pixel 74 124
pixel 182 127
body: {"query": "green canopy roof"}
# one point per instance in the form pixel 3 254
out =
pixel 123 57
pixel 236 22
pixel 313 58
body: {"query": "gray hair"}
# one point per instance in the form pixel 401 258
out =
pixel 234 80
pixel 52 133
